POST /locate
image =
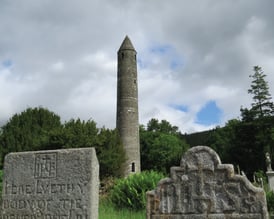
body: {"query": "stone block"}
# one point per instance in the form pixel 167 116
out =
pixel 56 184
pixel 270 176
pixel 201 187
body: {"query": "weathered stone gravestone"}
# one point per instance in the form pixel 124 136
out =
pixel 202 187
pixel 57 184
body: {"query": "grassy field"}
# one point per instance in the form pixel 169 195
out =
pixel 107 211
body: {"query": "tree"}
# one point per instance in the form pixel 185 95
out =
pixel 76 134
pixel 161 146
pixel 262 105
pixel 29 130
pixel 246 151
pixel 222 140
pixel 256 126
pixel 110 153
pixel 164 126
pixel 109 150
pixel 41 129
pixel 244 142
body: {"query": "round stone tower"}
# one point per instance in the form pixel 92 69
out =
pixel 127 122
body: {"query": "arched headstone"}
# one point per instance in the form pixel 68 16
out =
pixel 202 187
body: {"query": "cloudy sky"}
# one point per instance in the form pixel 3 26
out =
pixel 194 57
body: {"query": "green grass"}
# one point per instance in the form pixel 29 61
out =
pixel 107 211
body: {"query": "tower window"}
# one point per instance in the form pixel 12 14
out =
pixel 132 167
pixel 123 55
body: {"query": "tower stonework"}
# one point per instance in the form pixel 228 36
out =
pixel 127 122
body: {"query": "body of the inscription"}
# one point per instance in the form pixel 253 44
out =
pixel 202 187
pixel 60 184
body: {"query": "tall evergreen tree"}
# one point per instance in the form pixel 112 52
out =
pixel 262 105
pixel 258 118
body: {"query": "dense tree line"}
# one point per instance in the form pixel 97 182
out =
pixel 244 141
pixel 41 129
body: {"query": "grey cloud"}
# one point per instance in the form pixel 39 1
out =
pixel 47 42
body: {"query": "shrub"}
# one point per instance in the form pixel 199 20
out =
pixel 260 174
pixel 130 192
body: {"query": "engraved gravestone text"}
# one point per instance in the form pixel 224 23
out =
pixel 46 193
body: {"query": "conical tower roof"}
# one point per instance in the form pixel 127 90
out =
pixel 126 44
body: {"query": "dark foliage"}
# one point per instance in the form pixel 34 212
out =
pixel 198 138
pixel 161 146
pixel 29 130
pixel 40 129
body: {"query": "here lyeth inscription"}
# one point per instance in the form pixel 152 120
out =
pixel 59 184
pixel 202 188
